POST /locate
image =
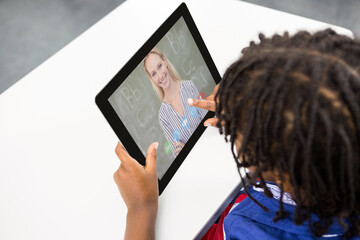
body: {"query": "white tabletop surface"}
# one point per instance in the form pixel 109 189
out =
pixel 57 151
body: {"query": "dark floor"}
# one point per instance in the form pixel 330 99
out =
pixel 344 13
pixel 33 30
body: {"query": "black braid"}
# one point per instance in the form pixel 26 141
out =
pixel 294 102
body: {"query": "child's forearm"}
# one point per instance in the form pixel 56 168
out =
pixel 140 225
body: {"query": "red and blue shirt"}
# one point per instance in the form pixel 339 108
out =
pixel 244 219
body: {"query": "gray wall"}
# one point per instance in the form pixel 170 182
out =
pixel 28 35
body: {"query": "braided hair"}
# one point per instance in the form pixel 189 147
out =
pixel 294 103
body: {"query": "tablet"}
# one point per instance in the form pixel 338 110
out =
pixel 146 101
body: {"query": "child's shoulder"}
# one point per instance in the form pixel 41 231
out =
pixel 259 223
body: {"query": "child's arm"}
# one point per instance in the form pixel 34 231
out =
pixel 138 187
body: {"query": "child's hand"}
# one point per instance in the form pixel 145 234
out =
pixel 208 104
pixel 138 185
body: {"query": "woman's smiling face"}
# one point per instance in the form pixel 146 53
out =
pixel 157 69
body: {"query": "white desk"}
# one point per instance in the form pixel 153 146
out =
pixel 57 151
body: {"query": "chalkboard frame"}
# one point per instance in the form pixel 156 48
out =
pixel 113 119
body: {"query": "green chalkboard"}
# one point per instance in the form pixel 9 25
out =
pixel 137 104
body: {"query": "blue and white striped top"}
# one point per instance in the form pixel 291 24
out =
pixel 176 127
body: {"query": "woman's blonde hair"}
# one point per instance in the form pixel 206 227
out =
pixel 172 71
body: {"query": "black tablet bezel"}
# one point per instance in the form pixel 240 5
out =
pixel 113 119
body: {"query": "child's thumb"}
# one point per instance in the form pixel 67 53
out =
pixel 151 158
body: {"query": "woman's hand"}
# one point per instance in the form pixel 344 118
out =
pixel 138 186
pixel 208 104
pixel 178 146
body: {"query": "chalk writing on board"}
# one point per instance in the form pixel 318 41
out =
pixel 188 66
pixel 176 41
pixel 201 77
pixel 145 115
pixel 131 95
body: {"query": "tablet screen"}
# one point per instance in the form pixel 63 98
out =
pixel 152 101
pixel 146 101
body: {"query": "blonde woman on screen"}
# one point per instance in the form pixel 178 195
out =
pixel 177 119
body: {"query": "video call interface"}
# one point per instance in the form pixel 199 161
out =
pixel 147 109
